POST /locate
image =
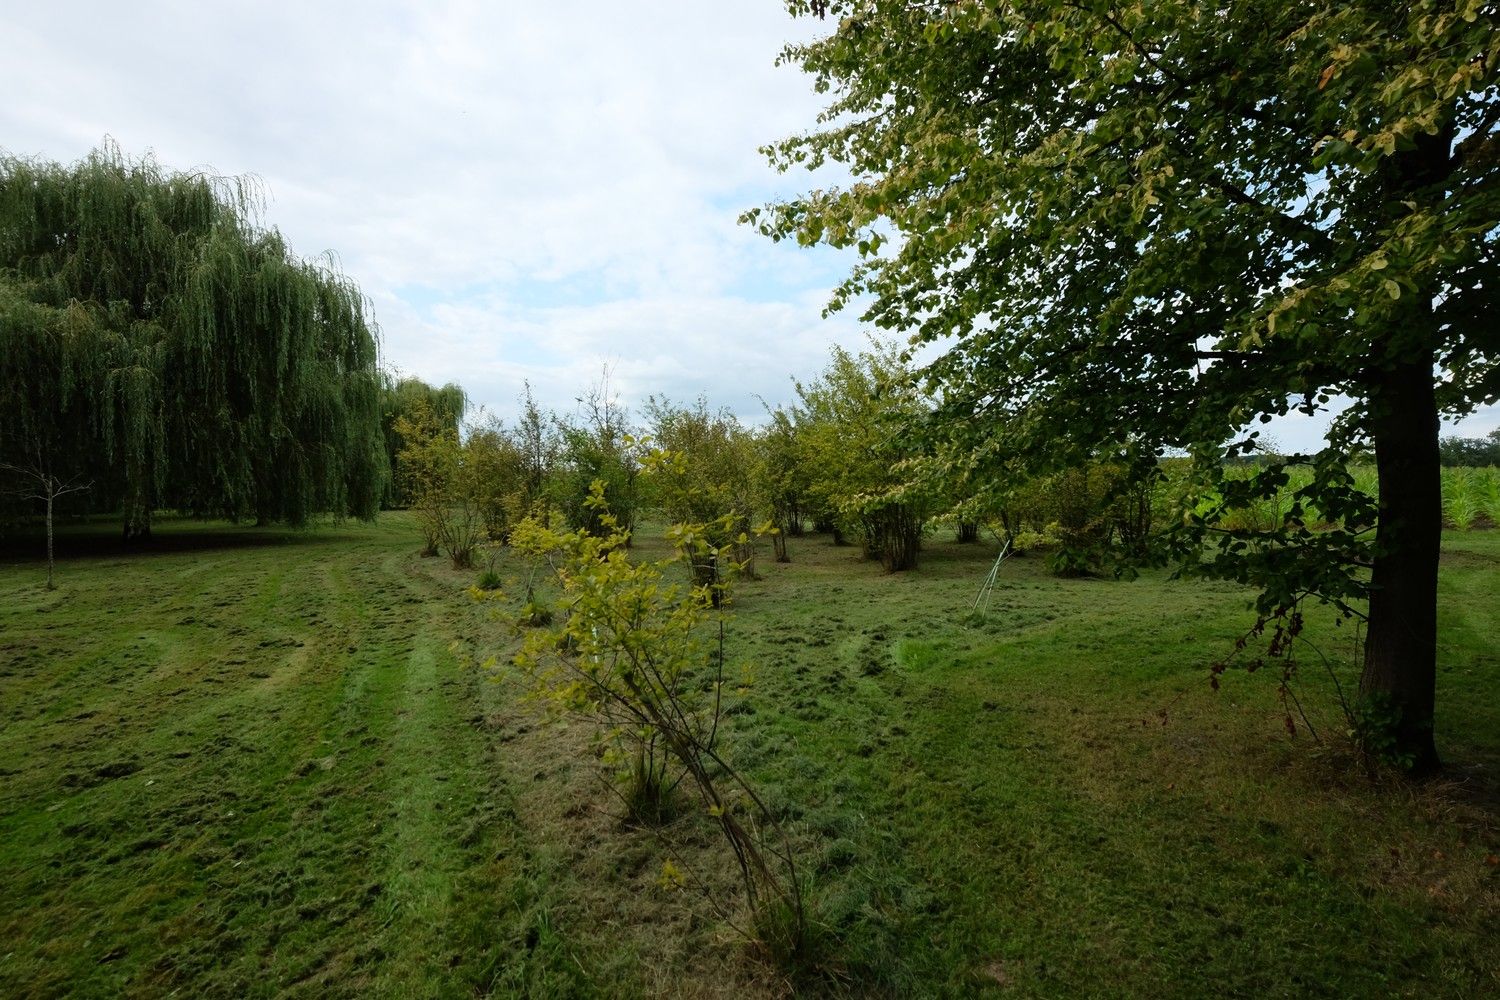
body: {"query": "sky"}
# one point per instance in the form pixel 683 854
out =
pixel 525 192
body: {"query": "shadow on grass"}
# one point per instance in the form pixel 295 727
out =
pixel 97 539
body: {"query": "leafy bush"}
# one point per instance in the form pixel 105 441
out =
pixel 865 477
pixel 1027 540
pixel 703 470
pixel 443 484
pixel 644 660
pixel 1078 514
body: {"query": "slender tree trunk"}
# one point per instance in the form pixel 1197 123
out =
pixel 137 512
pixel 968 532
pixel 1011 522
pixel 51 585
pixel 900 539
pixel 1400 669
pixel 745 556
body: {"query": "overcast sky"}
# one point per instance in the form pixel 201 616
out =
pixel 525 191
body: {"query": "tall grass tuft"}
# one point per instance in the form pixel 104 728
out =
pixel 1461 498
pixel 1487 485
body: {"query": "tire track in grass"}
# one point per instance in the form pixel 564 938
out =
pixel 329 931
pixel 250 852
pixel 431 849
pixel 456 858
pixel 480 894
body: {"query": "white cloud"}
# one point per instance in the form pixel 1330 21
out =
pixel 524 190
pixel 735 350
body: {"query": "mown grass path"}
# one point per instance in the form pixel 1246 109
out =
pixel 265 764
pixel 249 770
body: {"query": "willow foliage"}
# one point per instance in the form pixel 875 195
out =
pixel 156 336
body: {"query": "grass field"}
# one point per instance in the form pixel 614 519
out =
pixel 261 763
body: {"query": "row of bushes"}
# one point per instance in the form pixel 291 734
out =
pixel 852 456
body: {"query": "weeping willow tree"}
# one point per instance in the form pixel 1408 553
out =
pixel 156 337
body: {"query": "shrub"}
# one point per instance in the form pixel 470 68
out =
pixel 635 655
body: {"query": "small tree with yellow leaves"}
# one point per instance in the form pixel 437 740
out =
pixel 643 659
pixel 444 483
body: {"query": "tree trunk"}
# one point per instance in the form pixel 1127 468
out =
pixel 138 499
pixel 745 556
pixel 137 523
pixel 778 542
pixel 1400 672
pixel 968 532
pixel 705 570
pixel 51 585
pixel 1400 669
pixel 1011 523
pixel 900 539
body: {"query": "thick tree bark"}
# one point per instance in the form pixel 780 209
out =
pixel 1400 669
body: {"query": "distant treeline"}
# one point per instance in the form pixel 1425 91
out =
pixel 1460 451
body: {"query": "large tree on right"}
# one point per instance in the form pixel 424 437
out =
pixel 1155 225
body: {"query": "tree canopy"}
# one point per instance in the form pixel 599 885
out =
pixel 855 425
pixel 706 465
pixel 415 401
pixel 1155 226
pixel 156 337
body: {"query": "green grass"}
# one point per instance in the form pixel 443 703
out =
pixel 263 764
pixel 251 770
